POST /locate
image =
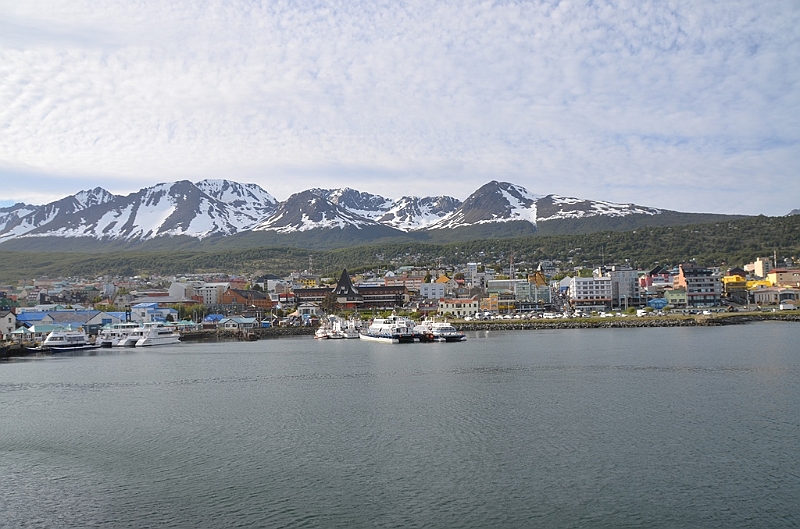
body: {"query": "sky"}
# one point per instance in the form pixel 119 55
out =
pixel 683 105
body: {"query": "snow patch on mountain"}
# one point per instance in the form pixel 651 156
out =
pixel 308 211
pixel 554 207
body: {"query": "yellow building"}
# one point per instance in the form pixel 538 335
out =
pixel 783 277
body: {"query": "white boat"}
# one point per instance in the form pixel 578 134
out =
pixel 66 339
pixel 438 331
pixel 322 332
pixel 394 329
pixel 111 336
pixel 350 328
pixel 336 328
pixel 156 333
pixel 134 336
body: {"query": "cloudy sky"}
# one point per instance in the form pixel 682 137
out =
pixel 684 105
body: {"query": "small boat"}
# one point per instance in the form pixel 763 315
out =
pixel 394 329
pixel 67 339
pixel 438 331
pixel 156 333
pixel 111 336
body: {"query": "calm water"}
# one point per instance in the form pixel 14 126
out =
pixel 574 428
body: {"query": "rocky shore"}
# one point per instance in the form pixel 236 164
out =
pixel 628 322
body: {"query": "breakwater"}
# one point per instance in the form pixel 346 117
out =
pixel 628 322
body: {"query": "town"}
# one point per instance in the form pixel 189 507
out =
pixel 32 309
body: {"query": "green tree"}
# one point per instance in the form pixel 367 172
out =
pixel 329 304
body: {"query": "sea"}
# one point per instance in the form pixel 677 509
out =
pixel 640 427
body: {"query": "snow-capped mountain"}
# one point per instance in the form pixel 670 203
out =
pixel 363 204
pixel 414 214
pixel 250 203
pixel 554 207
pixel 793 212
pixel 308 211
pixel 222 208
pixel 181 208
pixel 406 214
pixel 27 219
pixel 503 202
pixel 493 202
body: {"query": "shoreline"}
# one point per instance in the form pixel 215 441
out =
pixel 627 322
pixel 630 322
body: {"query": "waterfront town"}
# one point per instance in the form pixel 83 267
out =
pixel 33 308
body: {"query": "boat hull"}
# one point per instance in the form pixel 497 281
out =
pixel 387 338
pixel 148 342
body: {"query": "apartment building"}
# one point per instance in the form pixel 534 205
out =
pixel 703 287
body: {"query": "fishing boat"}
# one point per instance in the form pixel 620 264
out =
pixel 394 329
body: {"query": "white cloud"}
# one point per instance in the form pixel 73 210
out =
pixel 669 104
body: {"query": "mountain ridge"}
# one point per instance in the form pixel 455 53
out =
pixel 216 213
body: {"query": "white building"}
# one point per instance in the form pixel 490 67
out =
pixel 211 292
pixel 8 322
pixel 459 308
pixel 590 293
pixel 432 290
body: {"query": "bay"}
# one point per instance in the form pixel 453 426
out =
pixel 671 427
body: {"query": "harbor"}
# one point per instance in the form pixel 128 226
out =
pixel 565 427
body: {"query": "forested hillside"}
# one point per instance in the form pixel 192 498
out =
pixel 722 243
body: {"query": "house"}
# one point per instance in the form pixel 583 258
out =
pixel 39 332
pixel 237 323
pixel 425 307
pixel 308 310
pixel 22 335
pixel 459 308
pixel 247 299
pixel 676 297
pixel 409 280
pixel 147 312
pixel 8 322
pixel 450 285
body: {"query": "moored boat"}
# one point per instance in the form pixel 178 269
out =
pixel 336 328
pixel 394 329
pixel 438 331
pixel 157 333
pixel 67 339
pixel 112 335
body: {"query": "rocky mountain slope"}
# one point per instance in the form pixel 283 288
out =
pixel 215 209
